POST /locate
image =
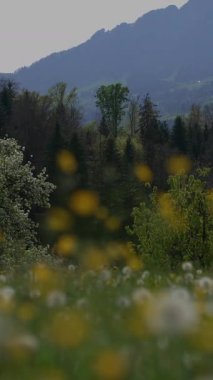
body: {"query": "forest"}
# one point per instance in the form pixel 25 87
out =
pixel 106 237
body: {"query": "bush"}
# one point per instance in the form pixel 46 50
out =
pixel 176 225
pixel 21 190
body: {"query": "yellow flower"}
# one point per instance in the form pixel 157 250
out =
pixel 58 219
pixel 68 329
pixel 84 202
pixel 178 165
pixel 143 173
pixel 66 162
pixel 111 365
pixel 66 245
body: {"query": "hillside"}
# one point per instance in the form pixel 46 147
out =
pixel 167 52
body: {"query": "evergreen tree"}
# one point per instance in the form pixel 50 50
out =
pixel 178 137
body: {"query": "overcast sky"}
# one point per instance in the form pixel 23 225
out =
pixel 31 29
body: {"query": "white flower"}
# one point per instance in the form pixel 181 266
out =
pixel 187 266
pixel 189 278
pixel 206 284
pixel 35 293
pixel 123 302
pixel 72 268
pixel 145 275
pixel 26 342
pixel 141 295
pixel 7 293
pixel 171 314
pixel 56 298
pixel 127 272
pixel 180 293
pixel 82 303
pixel 105 275
pixel 3 278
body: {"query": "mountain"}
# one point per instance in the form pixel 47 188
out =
pixel 166 52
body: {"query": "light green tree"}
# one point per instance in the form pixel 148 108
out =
pixel 112 101
pixel 177 225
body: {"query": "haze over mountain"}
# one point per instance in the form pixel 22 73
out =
pixel 167 52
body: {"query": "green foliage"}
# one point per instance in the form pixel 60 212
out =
pixel 20 192
pixel 112 100
pixel 177 225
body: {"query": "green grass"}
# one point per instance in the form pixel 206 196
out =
pixel 114 324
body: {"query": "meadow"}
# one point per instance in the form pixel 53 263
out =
pixel 65 322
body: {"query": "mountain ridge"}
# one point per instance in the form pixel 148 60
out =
pixel 167 52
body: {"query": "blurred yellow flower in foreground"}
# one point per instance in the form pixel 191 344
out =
pixel 44 278
pixel 143 173
pixel 58 219
pixel 66 162
pixel 68 329
pixel 178 165
pixel 95 259
pixel 111 365
pixel 84 202
pixel 113 223
pixel 66 245
pixel 203 337
pixel 169 212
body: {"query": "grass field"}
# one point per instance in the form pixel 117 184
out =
pixel 107 324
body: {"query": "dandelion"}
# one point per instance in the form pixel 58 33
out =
pixel 66 245
pixel 56 298
pixel 84 202
pixel 141 295
pixel 66 162
pixel 111 365
pixel 22 345
pixel 189 278
pixel 169 314
pixel 123 302
pixel 178 165
pixel 127 272
pixel 7 293
pixel 187 266
pixel 105 275
pixel 205 284
pixel 143 173
pixel 68 329
pixel 72 268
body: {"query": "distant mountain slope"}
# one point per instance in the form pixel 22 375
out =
pixel 168 52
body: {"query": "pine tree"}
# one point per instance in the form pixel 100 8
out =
pixel 178 137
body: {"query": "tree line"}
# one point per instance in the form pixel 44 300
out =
pixel 124 156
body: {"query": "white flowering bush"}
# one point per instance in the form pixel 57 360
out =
pixel 21 190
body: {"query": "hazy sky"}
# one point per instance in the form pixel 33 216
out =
pixel 31 29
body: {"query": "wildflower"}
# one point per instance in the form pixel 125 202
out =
pixel 7 293
pixel 189 278
pixel 111 365
pixel 3 278
pixel 187 266
pixel 143 173
pixel 105 275
pixel 205 284
pixel 141 295
pixel 56 298
pixel 171 314
pixel 123 302
pixel 71 268
pixel 127 272
pixel 22 345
